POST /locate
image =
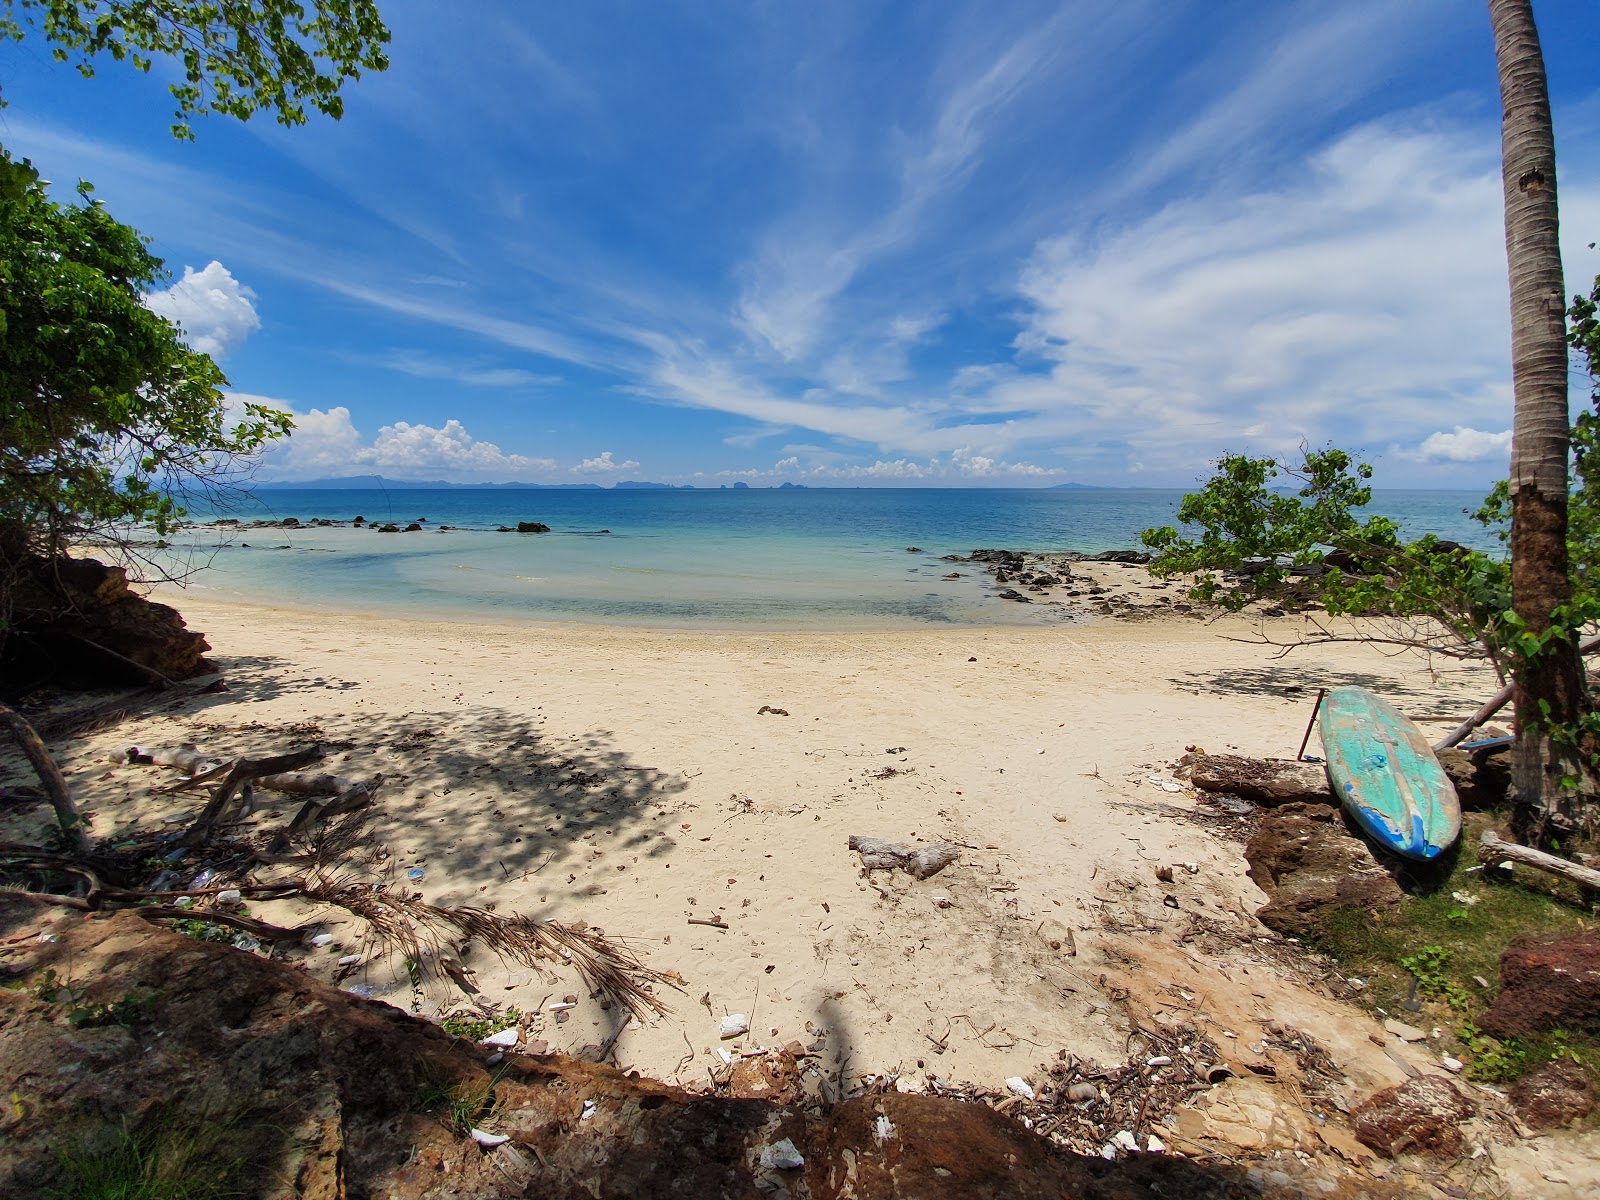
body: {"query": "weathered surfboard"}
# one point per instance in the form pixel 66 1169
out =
pixel 1386 775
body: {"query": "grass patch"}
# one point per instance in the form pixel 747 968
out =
pixel 169 1156
pixel 1449 951
pixel 461 1103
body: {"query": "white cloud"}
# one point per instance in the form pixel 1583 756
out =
pixel 603 464
pixel 1462 446
pixel 421 367
pixel 325 443
pixel 215 311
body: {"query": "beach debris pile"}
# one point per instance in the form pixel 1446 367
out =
pixel 919 861
pixel 199 870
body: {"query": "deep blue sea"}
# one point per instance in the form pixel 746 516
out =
pixel 761 558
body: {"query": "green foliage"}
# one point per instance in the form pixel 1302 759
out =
pixel 236 57
pixel 49 988
pixel 475 1026
pixel 1428 964
pixel 105 412
pixel 1259 540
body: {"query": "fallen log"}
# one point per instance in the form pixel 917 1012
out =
pixel 72 824
pixel 920 861
pixel 1269 782
pixel 1493 849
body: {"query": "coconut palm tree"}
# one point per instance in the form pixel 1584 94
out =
pixel 1552 795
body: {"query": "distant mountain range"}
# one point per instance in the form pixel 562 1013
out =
pixel 374 483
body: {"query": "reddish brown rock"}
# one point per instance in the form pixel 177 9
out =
pixel 771 1077
pixel 69 613
pixel 1550 984
pixel 1308 864
pixel 1553 1096
pixel 1421 1115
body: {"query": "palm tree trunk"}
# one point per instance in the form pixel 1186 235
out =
pixel 1549 687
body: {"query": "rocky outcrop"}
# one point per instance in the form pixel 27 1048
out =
pixel 330 1095
pixel 1549 984
pixel 1553 1096
pixel 79 623
pixel 1482 780
pixel 1422 1115
pixel 1308 864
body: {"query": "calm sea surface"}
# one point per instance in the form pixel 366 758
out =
pixel 778 559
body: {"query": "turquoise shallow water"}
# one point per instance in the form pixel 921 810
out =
pixel 737 558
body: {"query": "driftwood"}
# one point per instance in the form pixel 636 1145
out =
pixel 1262 781
pixel 245 771
pixel 55 784
pixel 1492 848
pixel 203 768
pixel 1493 705
pixel 920 861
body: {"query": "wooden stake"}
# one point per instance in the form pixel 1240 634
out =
pixel 1300 755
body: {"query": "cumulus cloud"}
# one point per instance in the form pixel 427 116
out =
pixel 603 464
pixel 327 443
pixel 215 311
pixel 1463 445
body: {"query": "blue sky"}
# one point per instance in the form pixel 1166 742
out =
pixel 854 243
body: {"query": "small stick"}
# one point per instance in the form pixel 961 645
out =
pixel 68 818
pixel 1300 754
pixel 714 922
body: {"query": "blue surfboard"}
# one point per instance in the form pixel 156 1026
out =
pixel 1385 774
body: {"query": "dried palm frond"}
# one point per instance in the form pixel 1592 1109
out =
pixel 418 930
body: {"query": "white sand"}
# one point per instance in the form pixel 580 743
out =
pixel 624 777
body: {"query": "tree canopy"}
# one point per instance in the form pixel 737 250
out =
pixel 236 57
pixel 106 412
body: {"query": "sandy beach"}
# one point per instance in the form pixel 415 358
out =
pixel 630 779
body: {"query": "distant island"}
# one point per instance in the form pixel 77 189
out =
pixel 378 483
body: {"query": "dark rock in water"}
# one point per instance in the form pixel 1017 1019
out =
pixel 504 529
pixel 1308 864
pixel 1118 556
pixel 65 611
pixel 1010 558
pixel 359 521
pixel 604 531
pixel 913 549
pixel 1045 581
pixel 532 527
pixel 1009 594
pixel 413 528
pixel 951 558
pixel 1554 1096
pixel 390 528
pixel 1547 984
pixel 1419 1115
pixel 1001 577
pixel 953 575
pixel 290 522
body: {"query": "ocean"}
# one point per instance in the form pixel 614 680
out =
pixel 737 558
